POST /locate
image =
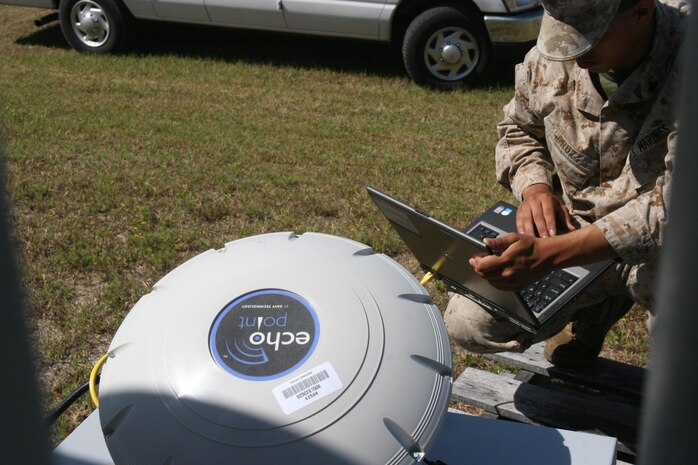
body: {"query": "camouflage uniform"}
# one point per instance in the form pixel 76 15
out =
pixel 609 161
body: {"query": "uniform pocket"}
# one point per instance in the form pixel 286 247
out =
pixel 574 167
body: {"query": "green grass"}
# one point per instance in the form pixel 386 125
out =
pixel 122 167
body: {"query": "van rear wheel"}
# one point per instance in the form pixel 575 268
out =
pixel 97 26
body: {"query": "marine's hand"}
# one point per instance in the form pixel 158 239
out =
pixel 520 260
pixel 541 212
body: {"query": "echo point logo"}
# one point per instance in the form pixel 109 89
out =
pixel 264 335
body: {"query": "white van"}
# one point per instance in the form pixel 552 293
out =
pixel 445 43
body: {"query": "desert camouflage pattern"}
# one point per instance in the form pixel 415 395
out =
pixel 571 28
pixel 610 162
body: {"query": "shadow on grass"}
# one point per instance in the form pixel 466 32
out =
pixel 262 47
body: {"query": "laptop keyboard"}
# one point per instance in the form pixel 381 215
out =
pixel 482 232
pixel 541 293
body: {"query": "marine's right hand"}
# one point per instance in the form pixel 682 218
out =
pixel 541 213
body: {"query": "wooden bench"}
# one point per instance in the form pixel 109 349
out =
pixel 602 398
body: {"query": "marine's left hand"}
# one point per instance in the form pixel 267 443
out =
pixel 519 260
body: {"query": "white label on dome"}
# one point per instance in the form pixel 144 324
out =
pixel 307 388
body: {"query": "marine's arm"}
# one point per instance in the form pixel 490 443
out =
pixel 525 166
pixel 525 259
pixel 632 233
pixel 636 230
pixel 521 155
pixel 523 162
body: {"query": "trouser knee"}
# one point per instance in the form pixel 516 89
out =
pixel 476 330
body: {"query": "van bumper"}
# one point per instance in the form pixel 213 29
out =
pixel 517 28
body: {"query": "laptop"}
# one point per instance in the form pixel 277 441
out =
pixel 444 251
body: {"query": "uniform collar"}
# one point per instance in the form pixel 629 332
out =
pixel 586 97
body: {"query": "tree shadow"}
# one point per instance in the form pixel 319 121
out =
pixel 342 55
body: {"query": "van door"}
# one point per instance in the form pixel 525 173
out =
pixel 190 11
pixel 352 18
pixel 256 14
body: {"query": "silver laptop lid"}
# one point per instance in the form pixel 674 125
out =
pixel 445 251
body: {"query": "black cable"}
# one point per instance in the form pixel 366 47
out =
pixel 70 400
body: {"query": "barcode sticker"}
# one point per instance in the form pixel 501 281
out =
pixel 307 388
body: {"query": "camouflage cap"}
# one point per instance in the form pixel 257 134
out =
pixel 570 28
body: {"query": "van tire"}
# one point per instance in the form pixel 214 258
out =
pixel 446 48
pixel 96 26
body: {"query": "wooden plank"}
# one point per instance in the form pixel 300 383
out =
pixel 527 403
pixel 525 376
pixel 605 375
pixel 532 360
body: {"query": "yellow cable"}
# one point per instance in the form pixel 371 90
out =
pixel 427 277
pixel 93 379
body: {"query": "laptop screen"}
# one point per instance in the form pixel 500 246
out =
pixel 445 251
